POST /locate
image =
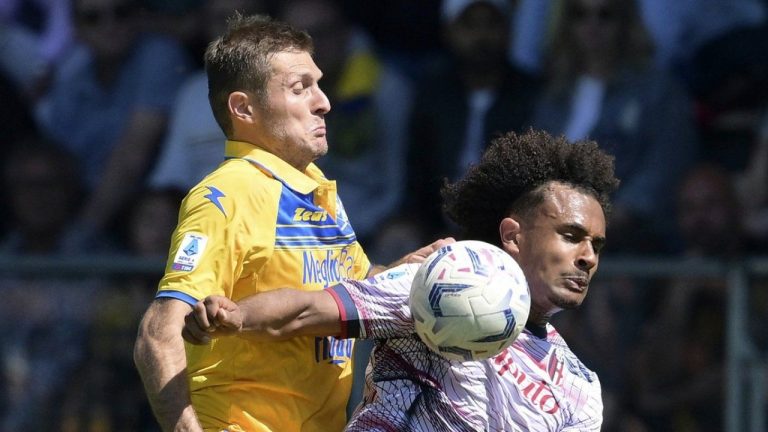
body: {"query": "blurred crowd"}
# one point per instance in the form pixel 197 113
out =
pixel 105 124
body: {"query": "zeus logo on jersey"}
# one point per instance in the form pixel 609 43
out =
pixel 304 215
pixel 332 350
pixel 190 250
pixel 326 267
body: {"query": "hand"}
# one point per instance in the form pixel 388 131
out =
pixel 214 316
pixel 421 254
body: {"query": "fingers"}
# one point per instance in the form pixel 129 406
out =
pixel 442 242
pixel 213 316
pixel 197 326
pixel 223 313
pixel 420 255
pixel 195 339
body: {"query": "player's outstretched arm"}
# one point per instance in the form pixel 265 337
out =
pixel 161 361
pixel 269 316
pixel 417 256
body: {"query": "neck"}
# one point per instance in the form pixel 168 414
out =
pixel 537 330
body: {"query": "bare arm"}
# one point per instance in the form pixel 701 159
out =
pixel 161 361
pixel 273 315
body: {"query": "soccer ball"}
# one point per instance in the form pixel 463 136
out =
pixel 469 300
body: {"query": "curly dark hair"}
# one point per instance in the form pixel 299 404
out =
pixel 510 176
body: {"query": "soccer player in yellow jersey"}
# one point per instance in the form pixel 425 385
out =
pixel 266 218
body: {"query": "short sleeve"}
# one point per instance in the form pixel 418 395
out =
pixel 210 246
pixel 377 307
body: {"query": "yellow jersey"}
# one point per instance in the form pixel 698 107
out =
pixel 256 224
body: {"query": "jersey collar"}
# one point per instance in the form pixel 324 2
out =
pixel 302 182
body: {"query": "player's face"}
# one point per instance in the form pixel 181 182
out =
pixel 294 119
pixel 559 249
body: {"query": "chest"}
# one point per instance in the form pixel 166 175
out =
pixel 314 246
pixel 548 392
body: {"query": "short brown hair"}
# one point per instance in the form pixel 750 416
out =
pixel 239 60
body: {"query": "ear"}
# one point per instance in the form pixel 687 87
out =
pixel 509 230
pixel 241 108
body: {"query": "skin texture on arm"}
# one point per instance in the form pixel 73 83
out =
pixel 269 316
pixel 279 314
pixel 161 361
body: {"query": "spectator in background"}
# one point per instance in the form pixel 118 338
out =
pixel 752 188
pixel 193 147
pixel 49 314
pixel 406 32
pixel 707 203
pixel 106 392
pixel 681 29
pixel 44 190
pixel 529 32
pixel 151 222
pixel 679 378
pixel 35 35
pixel 602 84
pixel 367 126
pixel 183 20
pixel 108 104
pixel 16 122
pixel 475 94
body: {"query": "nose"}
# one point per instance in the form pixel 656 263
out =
pixel 587 259
pixel 321 104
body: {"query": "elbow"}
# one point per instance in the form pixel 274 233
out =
pixel 141 347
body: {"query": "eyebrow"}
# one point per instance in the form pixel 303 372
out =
pixel 598 241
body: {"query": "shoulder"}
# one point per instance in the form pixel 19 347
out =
pixel 233 185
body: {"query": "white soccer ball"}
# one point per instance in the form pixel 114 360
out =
pixel 469 300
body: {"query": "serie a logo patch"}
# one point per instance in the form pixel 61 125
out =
pixel 190 250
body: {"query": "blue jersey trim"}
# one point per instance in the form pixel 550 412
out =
pixel 178 295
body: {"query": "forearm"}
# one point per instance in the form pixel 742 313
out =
pixel 285 313
pixel 161 361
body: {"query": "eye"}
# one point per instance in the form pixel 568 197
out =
pixel 597 246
